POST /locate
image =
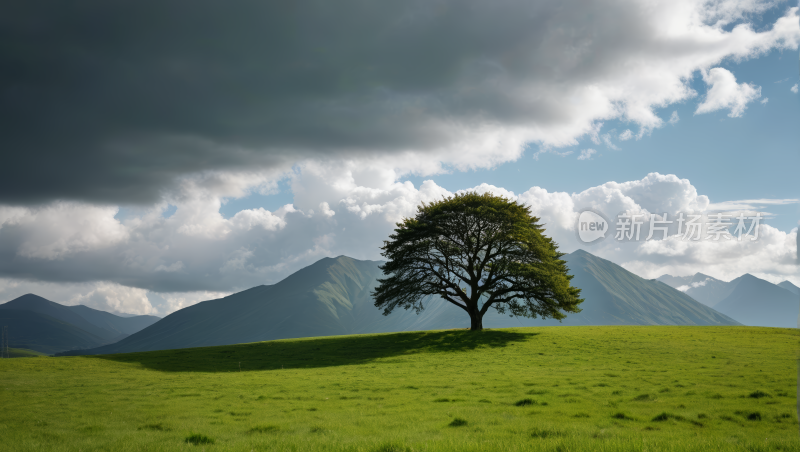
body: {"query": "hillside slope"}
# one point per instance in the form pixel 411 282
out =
pixel 332 297
pixel 756 302
pixel 35 303
pixel 117 324
pixel 45 334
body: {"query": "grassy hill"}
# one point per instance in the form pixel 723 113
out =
pixel 618 388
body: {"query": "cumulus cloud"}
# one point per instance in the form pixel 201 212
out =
pixel 449 84
pixel 764 101
pixel 725 93
pixel 626 135
pixel 794 88
pixel 587 154
pixel 674 118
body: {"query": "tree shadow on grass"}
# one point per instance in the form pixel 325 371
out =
pixel 319 352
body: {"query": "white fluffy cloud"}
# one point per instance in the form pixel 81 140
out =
pixel 587 154
pixel 725 93
pixel 794 88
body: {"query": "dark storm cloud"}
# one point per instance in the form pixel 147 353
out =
pixel 110 101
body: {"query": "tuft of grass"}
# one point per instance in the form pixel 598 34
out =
pixel 623 416
pixel 543 433
pixel 264 429
pixel 643 398
pixel 458 422
pixel 198 439
pixel 758 394
pixel 392 447
pixel 664 416
pixel 157 427
pixel 525 402
pixel 442 400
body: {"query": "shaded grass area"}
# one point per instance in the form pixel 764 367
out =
pixel 554 388
pixel 322 352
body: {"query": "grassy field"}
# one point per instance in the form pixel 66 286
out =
pixel 629 388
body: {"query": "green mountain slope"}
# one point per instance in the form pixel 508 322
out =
pixel 332 297
pixel 615 296
pixel 45 334
pixel 35 303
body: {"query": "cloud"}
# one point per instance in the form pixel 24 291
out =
pixel 764 101
pixel 694 285
pixel 794 88
pixel 674 118
pixel 114 115
pixel 725 93
pixel 607 141
pixel 587 154
pixel 626 135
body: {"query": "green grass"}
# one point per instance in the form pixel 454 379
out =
pixel 593 388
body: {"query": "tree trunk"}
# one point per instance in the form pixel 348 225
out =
pixel 476 321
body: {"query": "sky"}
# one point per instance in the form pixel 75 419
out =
pixel 158 154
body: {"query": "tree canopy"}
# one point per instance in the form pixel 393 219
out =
pixel 476 251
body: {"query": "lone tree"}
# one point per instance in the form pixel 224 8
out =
pixel 471 248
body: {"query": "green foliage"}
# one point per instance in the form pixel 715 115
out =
pixel 377 392
pixel 470 249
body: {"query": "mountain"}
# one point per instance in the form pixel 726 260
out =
pixel 615 296
pixel 703 288
pixel 43 333
pixel 756 302
pixel 120 325
pixel 790 287
pixel 35 303
pixel 332 297
pixel 70 326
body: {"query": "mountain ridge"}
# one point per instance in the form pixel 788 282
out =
pixel 333 297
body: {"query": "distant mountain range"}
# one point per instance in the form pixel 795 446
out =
pixel 748 299
pixel 39 324
pixel 332 297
